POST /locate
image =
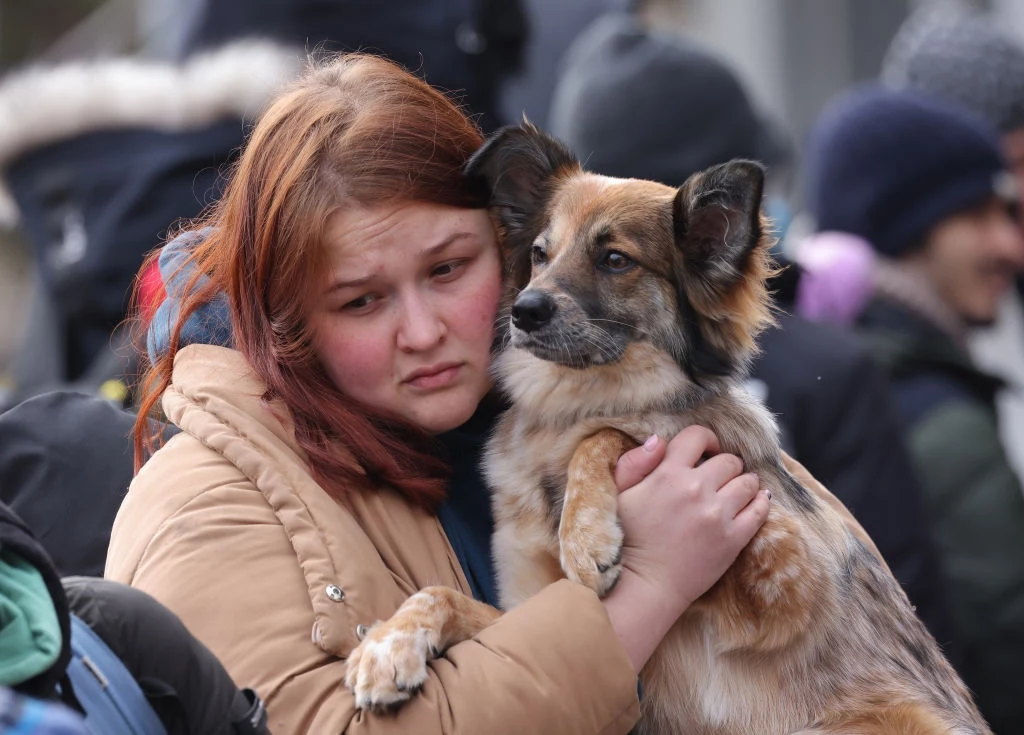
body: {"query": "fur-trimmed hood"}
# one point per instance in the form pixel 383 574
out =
pixel 41 105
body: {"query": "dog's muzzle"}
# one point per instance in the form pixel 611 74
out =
pixel 532 310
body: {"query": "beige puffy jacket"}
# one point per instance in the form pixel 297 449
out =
pixel 226 527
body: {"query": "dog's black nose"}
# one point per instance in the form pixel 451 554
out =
pixel 532 310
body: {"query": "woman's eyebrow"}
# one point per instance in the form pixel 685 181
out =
pixel 353 283
pixel 454 237
pixel 432 250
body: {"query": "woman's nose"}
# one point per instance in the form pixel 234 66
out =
pixel 420 327
pixel 1011 243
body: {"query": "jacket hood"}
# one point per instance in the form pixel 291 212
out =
pixel 209 324
pixel 217 399
pixel 41 105
pixel 198 383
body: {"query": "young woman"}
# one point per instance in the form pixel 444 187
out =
pixel 347 288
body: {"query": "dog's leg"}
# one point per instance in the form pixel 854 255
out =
pixel 589 533
pixel 391 662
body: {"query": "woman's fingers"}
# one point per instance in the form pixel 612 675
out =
pixel 716 472
pixel 753 515
pixel 737 493
pixel 636 464
pixel 691 444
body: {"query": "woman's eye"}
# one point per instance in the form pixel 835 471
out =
pixel 616 262
pixel 448 269
pixel 362 303
pixel 539 255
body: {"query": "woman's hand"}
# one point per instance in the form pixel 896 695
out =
pixel 685 521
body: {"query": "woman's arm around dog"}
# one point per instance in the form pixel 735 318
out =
pixel 685 522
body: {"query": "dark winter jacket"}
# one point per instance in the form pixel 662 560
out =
pixel 65 465
pixel 101 158
pixel 973 499
pixel 464 46
pixel 182 680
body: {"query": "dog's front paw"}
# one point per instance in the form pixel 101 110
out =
pixel 591 549
pixel 390 664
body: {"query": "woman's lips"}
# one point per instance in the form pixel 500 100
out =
pixel 434 377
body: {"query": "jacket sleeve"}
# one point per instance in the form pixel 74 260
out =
pixel 977 509
pixel 865 462
pixel 225 565
pixel 552 665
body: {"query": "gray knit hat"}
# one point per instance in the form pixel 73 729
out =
pixel 952 51
pixel 638 103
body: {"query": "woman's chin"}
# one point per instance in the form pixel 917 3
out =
pixel 443 412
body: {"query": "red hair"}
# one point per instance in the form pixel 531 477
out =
pixel 360 130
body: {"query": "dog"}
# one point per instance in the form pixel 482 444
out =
pixel 635 310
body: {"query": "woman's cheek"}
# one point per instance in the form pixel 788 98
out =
pixel 487 298
pixel 354 363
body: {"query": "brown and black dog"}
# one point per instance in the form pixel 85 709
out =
pixel 636 309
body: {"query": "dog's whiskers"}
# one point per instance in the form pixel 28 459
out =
pixel 641 330
pixel 601 342
pixel 610 321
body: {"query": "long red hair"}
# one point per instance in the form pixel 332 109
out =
pixel 356 129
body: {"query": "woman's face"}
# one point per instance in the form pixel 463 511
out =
pixel 406 320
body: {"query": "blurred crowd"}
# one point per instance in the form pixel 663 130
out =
pixel 895 368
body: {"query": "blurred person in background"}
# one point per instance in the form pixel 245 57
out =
pixel 65 466
pixel 553 28
pixel 468 48
pixel 924 187
pixel 638 103
pixel 103 157
pixel 953 51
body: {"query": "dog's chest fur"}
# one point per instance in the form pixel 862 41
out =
pixel 554 408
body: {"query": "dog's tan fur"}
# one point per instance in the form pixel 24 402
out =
pixel 807 632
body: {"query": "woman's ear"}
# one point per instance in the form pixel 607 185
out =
pixel 519 165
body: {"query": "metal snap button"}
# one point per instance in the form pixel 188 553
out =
pixel 361 631
pixel 334 592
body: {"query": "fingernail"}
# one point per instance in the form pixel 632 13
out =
pixel 767 492
pixel 651 443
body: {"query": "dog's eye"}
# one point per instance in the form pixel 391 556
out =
pixel 616 262
pixel 538 255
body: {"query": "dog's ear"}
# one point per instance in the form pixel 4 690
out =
pixel 716 216
pixel 722 266
pixel 519 165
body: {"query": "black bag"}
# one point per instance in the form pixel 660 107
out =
pixel 181 680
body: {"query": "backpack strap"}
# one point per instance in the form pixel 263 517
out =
pixel 106 691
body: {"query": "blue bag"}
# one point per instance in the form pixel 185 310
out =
pixel 111 699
